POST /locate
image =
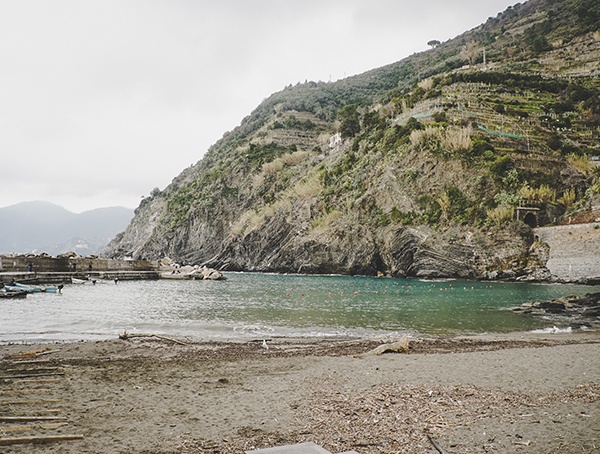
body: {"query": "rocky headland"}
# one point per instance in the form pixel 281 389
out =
pixel 439 165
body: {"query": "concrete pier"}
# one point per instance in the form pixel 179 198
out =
pixel 55 270
pixel 50 277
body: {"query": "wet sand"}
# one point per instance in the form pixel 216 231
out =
pixel 530 393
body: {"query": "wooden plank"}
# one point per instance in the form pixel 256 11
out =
pixel 38 440
pixel 18 377
pixel 30 354
pixel 39 380
pixel 32 371
pixel 30 402
pixel 24 391
pixel 31 361
pixel 31 418
pixel 26 427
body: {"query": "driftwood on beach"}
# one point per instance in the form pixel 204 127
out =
pixel 126 336
pixel 436 445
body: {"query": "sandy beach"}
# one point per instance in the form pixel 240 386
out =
pixel 521 392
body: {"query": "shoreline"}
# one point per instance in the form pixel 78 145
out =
pixel 378 337
pixel 484 393
pixel 375 338
pixel 108 275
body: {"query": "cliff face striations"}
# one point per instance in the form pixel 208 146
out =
pixel 438 165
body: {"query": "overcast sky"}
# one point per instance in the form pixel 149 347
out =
pixel 103 100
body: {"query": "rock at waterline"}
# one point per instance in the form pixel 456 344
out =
pixel 207 274
pixel 578 308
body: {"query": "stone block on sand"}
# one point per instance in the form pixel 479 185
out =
pixel 301 448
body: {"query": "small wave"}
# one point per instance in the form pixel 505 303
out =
pixel 553 330
pixel 253 329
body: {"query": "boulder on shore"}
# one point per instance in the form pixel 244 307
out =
pixel 172 270
pixel 207 274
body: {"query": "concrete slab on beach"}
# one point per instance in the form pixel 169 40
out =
pixel 300 448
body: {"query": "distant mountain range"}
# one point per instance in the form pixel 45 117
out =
pixel 36 227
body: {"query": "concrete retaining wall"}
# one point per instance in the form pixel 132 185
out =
pixel 574 250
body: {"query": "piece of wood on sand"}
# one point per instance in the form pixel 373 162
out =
pixel 37 370
pixel 31 418
pixel 28 427
pixel 24 391
pixel 31 361
pixel 30 402
pixel 17 377
pixel 126 336
pixel 436 445
pixel 33 381
pixel 38 439
pixel 31 354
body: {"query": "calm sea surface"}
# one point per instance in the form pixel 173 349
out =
pixel 249 306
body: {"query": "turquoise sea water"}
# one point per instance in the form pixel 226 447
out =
pixel 269 305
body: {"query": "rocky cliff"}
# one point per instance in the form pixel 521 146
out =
pixel 437 165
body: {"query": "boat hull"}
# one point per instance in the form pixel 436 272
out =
pixel 11 295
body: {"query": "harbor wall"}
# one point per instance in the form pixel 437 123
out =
pixel 46 269
pixel 40 263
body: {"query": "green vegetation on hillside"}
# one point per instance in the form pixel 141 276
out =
pixel 488 123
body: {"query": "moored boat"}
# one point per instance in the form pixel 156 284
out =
pixel 33 288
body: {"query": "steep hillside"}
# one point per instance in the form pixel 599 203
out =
pixel 425 167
